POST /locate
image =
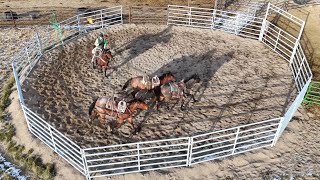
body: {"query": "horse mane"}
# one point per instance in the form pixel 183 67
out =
pixel 135 100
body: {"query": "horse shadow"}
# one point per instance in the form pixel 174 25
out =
pixel 204 65
pixel 138 45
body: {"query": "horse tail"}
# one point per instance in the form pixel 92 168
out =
pixel 92 106
pixel 126 84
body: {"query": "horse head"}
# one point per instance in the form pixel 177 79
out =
pixel 181 84
pixel 138 104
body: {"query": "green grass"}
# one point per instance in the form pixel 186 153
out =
pixel 16 151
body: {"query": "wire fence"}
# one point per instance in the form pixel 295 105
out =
pixel 168 153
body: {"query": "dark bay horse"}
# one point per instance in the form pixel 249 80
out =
pixel 146 85
pixel 99 108
pixel 174 91
pixel 100 58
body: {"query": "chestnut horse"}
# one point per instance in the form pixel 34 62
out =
pixel 174 91
pixel 98 108
pixel 101 58
pixel 137 83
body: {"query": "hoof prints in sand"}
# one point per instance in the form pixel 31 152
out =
pixel 241 82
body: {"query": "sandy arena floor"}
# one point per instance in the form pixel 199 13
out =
pixel 242 82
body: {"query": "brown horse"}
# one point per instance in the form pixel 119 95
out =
pixel 146 85
pixel 174 91
pixel 101 58
pixel 99 108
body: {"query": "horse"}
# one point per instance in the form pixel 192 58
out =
pixel 174 91
pixel 101 58
pixel 144 84
pixel 98 108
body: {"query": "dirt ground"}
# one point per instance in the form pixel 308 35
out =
pixel 311 38
pixel 241 82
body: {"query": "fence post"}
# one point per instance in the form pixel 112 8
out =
pixel 26 49
pixel 275 46
pixel 39 42
pixel 16 77
pixel 213 18
pixel 129 14
pixel 52 139
pixel 121 16
pixel 168 14
pixel 297 43
pixel 277 132
pixel 189 153
pixel 235 141
pixel 79 25
pixel 189 14
pixel 264 22
pixel 85 165
pixel 138 151
pixel 101 18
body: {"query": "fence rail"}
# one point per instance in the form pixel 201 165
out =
pixel 245 24
pixel 168 153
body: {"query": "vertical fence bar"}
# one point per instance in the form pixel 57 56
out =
pixel 189 15
pixel 297 42
pixel 85 165
pixel 130 14
pixel 121 16
pixel 138 153
pixel 264 22
pixel 189 157
pixel 293 108
pixel 213 18
pixel 21 100
pixel 101 18
pixel 16 77
pixel 235 141
pixel 52 139
pixel 79 24
pixel 168 15
pixel 188 152
pixel 276 45
pixel 26 49
pixel 277 133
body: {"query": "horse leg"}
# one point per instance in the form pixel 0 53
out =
pixel 182 104
pixel 105 71
pixel 158 103
pixel 93 65
pixel 93 115
pixel 135 91
pixel 133 129
pixel 108 124
pixel 130 121
pixel 102 120
pixel 192 96
pixel 120 122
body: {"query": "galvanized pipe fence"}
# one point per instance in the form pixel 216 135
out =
pixel 169 153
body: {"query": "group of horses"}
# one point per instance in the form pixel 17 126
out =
pixel 165 88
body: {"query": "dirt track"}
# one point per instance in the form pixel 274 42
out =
pixel 242 82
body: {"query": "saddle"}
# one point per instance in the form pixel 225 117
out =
pixel 175 90
pixel 97 51
pixel 145 80
pixel 119 107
